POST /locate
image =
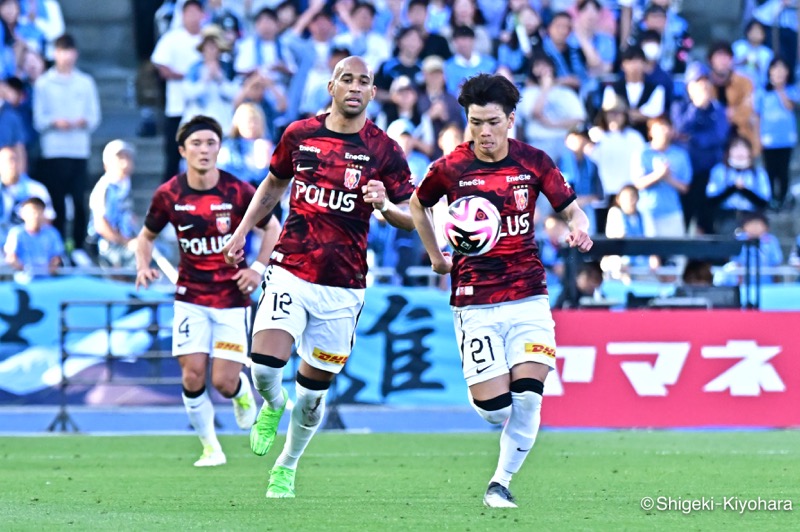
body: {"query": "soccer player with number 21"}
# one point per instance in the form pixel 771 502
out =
pixel 344 167
pixel 504 328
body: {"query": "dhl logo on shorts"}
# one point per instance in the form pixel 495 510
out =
pixel 540 349
pixel 229 346
pixel 319 354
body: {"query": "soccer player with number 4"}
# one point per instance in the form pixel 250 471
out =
pixel 503 324
pixel 212 298
pixel 343 168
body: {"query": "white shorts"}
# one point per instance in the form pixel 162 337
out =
pixel 491 340
pixel 219 332
pixel 321 319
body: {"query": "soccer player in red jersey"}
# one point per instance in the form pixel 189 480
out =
pixel 503 323
pixel 212 298
pixel 343 167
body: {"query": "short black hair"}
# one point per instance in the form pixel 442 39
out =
pixel 188 3
pixel 65 42
pixel 484 89
pixel 633 52
pixel 35 201
pixel 720 46
pixel 364 5
pixel 266 12
pixel 197 123
pixel 583 3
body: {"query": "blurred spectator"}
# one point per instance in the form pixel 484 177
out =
pixel 738 187
pixel 361 37
pixel 467 14
pixel 521 41
pixel 404 105
pixel 12 125
pixel 435 44
pixel 702 129
pixel 547 111
pixel 174 54
pixel 650 43
pixel 569 60
pixel 754 227
pixel 581 173
pixel 662 176
pixel 405 61
pixel 776 110
pixel 624 221
pixel 794 254
pixel 496 13
pixel 16 187
pixel 35 246
pixel 434 100
pixel 319 99
pixel 697 273
pixel 209 87
pixel 555 237
pixel 18 95
pixel 246 151
pixel 66 110
pixel 313 58
pixel 780 16
pixel 644 99
pixel 735 92
pixel 588 282
pixel 46 16
pixel 599 49
pixel 401 131
pixel 439 14
pixel 264 50
pixel 751 57
pixel 676 44
pixel 25 33
pixel 112 223
pixel 466 61
pixel 614 145
pixel 221 13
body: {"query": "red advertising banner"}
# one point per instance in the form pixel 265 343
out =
pixel 663 368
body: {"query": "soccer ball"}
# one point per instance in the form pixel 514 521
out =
pixel 472 226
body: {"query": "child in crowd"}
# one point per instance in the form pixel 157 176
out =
pixel 751 56
pixel 624 221
pixel 754 227
pixel 35 246
pixel 737 187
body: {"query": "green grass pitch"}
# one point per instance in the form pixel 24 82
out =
pixel 572 481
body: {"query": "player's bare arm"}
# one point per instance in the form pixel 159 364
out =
pixel 267 195
pixel 144 256
pixel 578 236
pixel 397 215
pixel 441 263
pixel 248 279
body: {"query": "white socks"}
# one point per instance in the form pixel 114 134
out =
pixel 201 416
pixel 307 413
pixel 267 381
pixel 244 387
pixel 518 435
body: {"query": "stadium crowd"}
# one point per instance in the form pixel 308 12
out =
pixel 657 137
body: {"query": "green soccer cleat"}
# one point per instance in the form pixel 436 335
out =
pixel 281 483
pixel 262 434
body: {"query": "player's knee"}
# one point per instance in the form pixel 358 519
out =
pixel 310 401
pixel 193 378
pixel 226 385
pixel 495 410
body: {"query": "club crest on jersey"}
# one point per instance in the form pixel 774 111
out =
pixel 521 198
pixel 224 223
pixel 351 177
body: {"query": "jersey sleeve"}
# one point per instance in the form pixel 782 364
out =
pixel 396 175
pixel 281 164
pixel 554 185
pixel 433 185
pixel 158 214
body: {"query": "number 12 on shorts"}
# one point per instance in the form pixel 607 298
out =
pixel 280 304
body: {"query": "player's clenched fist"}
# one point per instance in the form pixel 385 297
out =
pixel 233 251
pixel 581 240
pixel 375 193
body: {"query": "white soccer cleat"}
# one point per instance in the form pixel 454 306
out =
pixel 498 496
pixel 244 408
pixel 211 457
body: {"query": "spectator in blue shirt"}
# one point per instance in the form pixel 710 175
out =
pixel 701 127
pixel 581 173
pixel 466 62
pixel 15 188
pixel 662 176
pixel 737 187
pixel 750 56
pixel 246 151
pixel 754 227
pixel 112 220
pixel 569 60
pixel 35 246
pixel 776 109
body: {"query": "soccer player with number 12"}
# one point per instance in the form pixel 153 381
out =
pixel 504 327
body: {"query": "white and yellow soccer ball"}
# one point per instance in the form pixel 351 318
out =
pixel 472 226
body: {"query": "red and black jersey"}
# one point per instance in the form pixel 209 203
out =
pixel 512 269
pixel 204 221
pixel 324 238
